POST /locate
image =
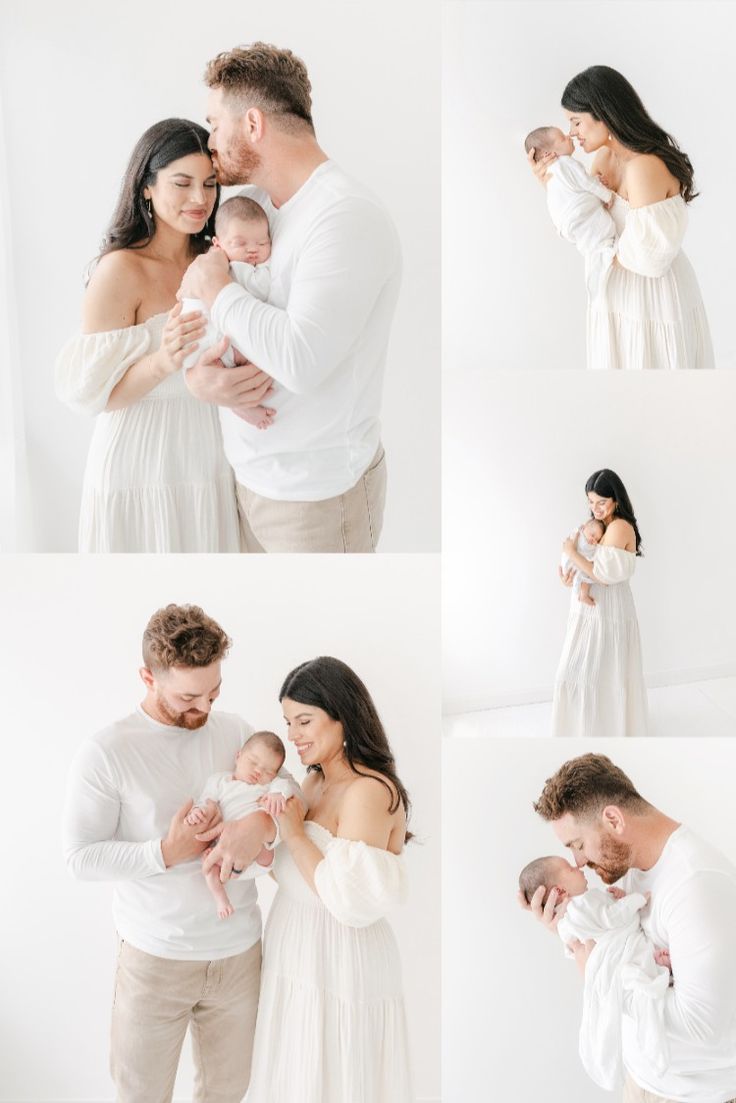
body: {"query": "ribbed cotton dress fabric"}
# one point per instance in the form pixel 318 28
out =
pixel 599 687
pixel 156 478
pixel 331 1021
pixel 649 313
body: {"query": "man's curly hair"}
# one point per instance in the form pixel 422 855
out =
pixel 585 785
pixel 183 635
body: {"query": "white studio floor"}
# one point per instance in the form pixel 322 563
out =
pixel 698 708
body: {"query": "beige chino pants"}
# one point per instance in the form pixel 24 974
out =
pixel 634 1094
pixel 156 999
pixel 350 522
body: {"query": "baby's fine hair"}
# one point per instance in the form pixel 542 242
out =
pixel 539 140
pixel 239 206
pixel 542 871
pixel 270 740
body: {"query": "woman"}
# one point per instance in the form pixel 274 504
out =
pixel 156 478
pixel 649 313
pixel 599 688
pixel 331 1025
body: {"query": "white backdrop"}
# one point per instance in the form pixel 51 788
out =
pixel 511 1000
pixel 518 449
pixel 86 79
pixel 69 656
pixel 513 293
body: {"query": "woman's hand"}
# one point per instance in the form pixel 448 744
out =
pixel 539 168
pixel 566 577
pixel 180 337
pixel 291 820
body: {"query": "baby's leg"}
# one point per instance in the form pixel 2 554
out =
pixel 265 858
pixel 584 594
pixel 216 887
pixel 260 416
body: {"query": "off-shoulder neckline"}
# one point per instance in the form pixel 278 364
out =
pixel 326 830
pixel 648 206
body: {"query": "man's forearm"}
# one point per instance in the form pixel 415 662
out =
pixel 114 860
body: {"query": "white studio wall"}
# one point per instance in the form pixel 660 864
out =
pixel 518 450
pixel 70 653
pixel 80 82
pixel 514 294
pixel 521 999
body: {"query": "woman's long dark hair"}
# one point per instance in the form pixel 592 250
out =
pixel 132 226
pixel 606 484
pixel 331 685
pixel 607 95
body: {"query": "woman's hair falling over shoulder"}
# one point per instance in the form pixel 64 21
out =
pixel 606 484
pixel 606 94
pixel 331 685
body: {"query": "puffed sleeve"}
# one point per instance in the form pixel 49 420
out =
pixel 358 884
pixel 612 565
pixel 90 365
pixel 652 237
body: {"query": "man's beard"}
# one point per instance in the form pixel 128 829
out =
pixel 189 720
pixel 615 860
pixel 235 166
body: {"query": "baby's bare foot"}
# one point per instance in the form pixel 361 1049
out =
pixel 225 910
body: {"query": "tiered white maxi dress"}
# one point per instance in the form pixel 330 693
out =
pixel 331 1023
pixel 649 313
pixel 599 687
pixel 156 478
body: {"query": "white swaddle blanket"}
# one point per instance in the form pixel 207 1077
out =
pixel 621 977
pixel 586 549
pixel 575 204
pixel 255 278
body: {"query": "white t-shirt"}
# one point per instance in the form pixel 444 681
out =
pixel 693 915
pixel 124 787
pixel 323 336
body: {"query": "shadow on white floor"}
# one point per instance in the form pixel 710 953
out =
pixel 699 708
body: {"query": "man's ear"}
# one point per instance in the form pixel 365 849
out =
pixel 253 124
pixel 146 677
pixel 613 819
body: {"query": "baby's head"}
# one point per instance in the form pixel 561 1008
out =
pixel 260 759
pixel 242 230
pixel 549 139
pixel 593 531
pixel 553 873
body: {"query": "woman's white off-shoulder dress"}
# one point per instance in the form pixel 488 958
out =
pixel 599 687
pixel 649 312
pixel 331 1023
pixel 156 478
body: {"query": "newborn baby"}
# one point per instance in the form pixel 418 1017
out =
pixel 586 537
pixel 253 787
pixel 243 234
pixel 624 974
pixel 575 201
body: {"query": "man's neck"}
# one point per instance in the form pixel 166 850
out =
pixel 150 707
pixel 289 167
pixel 651 834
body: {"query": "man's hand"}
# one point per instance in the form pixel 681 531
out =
pixel 581 951
pixel 238 843
pixel 181 843
pixel 206 276
pixel 239 389
pixel 546 915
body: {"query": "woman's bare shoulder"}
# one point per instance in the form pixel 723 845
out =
pixel 371 788
pixel 113 292
pixel 648 180
pixel 619 533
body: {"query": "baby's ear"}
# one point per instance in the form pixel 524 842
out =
pixel 561 893
pixel 215 241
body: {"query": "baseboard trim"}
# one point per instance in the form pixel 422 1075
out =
pixel 539 695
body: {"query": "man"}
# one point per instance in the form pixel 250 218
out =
pixel 595 810
pixel 315 480
pixel 129 793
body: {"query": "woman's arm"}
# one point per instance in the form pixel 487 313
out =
pixel 363 817
pixel 572 553
pixel 112 302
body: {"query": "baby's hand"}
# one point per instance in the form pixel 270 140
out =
pixel 616 892
pixel 662 957
pixel 273 803
pixel 197 815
